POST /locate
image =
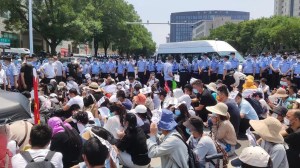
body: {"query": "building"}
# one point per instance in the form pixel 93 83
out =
pixel 287 8
pixel 183 32
pixel 203 28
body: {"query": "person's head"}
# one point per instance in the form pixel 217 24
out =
pixel 50 60
pixel 288 80
pixel 232 54
pixel 167 122
pixel 188 89
pixel 226 58
pixel 131 79
pixel 40 136
pixel 195 126
pixel 279 113
pixel 257 95
pixel 182 111
pixel 238 98
pixel 170 58
pixel 73 92
pixel 130 121
pixel 219 112
pixel 121 95
pixel 292 89
pixel 162 95
pixel 82 117
pixel 55 58
pixel 118 109
pixel 222 93
pixel 293 117
pixel 197 86
pixel 74 108
pixel 7 60
pixel 140 99
pixel 94 153
pixel 256 83
pixel 263 81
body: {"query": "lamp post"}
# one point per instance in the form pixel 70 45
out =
pixel 30 26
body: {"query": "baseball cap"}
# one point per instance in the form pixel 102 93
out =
pixel 253 156
pixel 280 110
pixel 194 123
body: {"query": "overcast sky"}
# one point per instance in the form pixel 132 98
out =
pixel 160 11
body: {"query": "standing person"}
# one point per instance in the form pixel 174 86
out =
pixel 213 69
pixel 150 68
pixel 27 74
pixel 228 73
pixel 272 141
pixel 163 146
pixel 201 144
pixel 168 73
pixel 3 79
pixel 121 70
pixel 159 72
pixel 130 67
pixel 220 69
pixel 142 69
pixel 175 66
pixel 60 69
pixel 86 69
pixel 285 67
pixel 233 109
pixel 256 62
pixel 183 71
pixel 248 67
pixel 296 73
pixel 104 68
pixel 205 99
pixel 11 74
pixel 264 66
pixel 49 70
pixel 112 68
pixel 234 61
pixel 204 69
pixel 40 136
pixel 79 70
pixel 274 65
pixel 195 68
pixel 95 68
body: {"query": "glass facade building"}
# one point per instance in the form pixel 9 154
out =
pixel 184 32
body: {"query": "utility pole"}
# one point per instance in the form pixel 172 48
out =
pixel 30 27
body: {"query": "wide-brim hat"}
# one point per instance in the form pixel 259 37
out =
pixel 88 134
pixel 194 123
pixel 268 129
pixel 167 121
pixel 61 85
pixel 280 93
pixel 212 86
pixel 253 156
pixel 142 109
pixel 93 86
pixel 219 108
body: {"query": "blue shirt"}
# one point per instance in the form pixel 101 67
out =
pixel 234 63
pixel 168 69
pixel 296 69
pixel 151 66
pixel 221 67
pixel 142 66
pixel 95 68
pixel 246 109
pixel 175 67
pixel 11 71
pixel 86 69
pixel 183 66
pixel 284 66
pixel 264 63
pixel 104 67
pixel 257 67
pixel 248 66
pixel 159 67
pixel 275 63
pixel 130 66
pixel 111 67
pixel 121 67
pixel 214 65
pixel 195 66
pixel 204 64
pixel 227 66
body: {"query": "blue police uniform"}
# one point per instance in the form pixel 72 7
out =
pixel 264 67
pixel 11 72
pixel 229 80
pixel 214 69
pixel 95 69
pixel 275 74
pixel 121 71
pixel 195 68
pixel 130 65
pixel 234 63
pixel 204 66
pixel 256 63
pixel 159 71
pixel 112 68
pixel 285 67
pixel 104 69
pixel 183 72
pixel 296 73
pixel 142 68
pixel 175 67
pixel 248 67
pixel 220 69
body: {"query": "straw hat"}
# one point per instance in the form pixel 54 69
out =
pixel 280 93
pixel 61 85
pixel 212 86
pixel 268 129
pixel 93 86
pixel 219 108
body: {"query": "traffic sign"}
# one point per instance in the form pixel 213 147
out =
pixel 4 42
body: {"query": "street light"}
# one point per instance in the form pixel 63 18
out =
pixel 30 26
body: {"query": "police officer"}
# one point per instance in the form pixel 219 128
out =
pixel 264 66
pixel 183 71
pixel 195 68
pixel 95 68
pixel 228 73
pixel 121 70
pixel 142 69
pixel 175 67
pixel 159 72
pixel 130 65
pixel 256 66
pixel 220 69
pixel 285 67
pixel 274 65
pixel 296 73
pixel 112 68
pixel 234 61
pixel 104 68
pixel 248 67
pixel 85 68
pixel 150 68
pixel 204 69
pixel 213 69
pixel 11 74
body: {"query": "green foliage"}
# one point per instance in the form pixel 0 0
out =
pixel 260 34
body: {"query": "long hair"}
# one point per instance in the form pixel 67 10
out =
pixel 119 110
pixel 132 122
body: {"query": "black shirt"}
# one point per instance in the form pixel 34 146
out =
pixel 28 74
pixel 234 112
pixel 205 99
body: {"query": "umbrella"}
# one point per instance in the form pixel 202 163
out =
pixel 13 107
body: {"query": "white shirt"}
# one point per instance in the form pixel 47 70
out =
pixel 2 76
pixel 76 100
pixel 49 70
pixel 113 125
pixel 237 77
pixel 38 155
pixel 59 67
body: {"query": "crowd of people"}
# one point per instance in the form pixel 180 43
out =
pixel 122 112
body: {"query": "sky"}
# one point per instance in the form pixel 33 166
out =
pixel 160 11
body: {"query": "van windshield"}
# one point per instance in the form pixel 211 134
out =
pixel 237 55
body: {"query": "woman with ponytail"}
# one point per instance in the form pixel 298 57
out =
pixel 132 144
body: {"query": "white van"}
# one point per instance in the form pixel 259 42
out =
pixel 191 49
pixel 19 51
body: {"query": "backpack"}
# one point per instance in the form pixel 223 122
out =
pixel 32 164
pixel 193 162
pixel 256 105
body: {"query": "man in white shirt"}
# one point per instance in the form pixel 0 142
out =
pixel 49 70
pixel 60 69
pixel 40 137
pixel 2 78
pixel 74 99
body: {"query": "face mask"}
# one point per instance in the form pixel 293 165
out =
pixel 177 112
pixel 119 87
pixel 195 91
pixel 286 121
pixel 188 131
pixel 283 83
pixel 274 115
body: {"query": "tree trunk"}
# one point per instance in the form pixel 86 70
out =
pixel 105 47
pixel 96 46
pixel 53 48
